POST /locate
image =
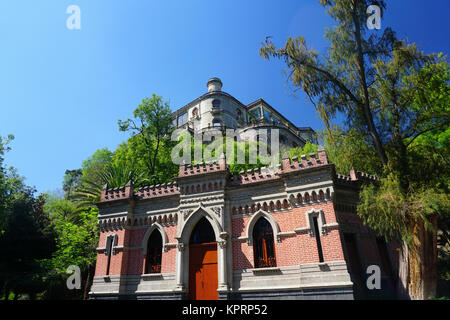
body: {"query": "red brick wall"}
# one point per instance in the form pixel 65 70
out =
pixel 132 260
pixel 293 249
pixel 169 257
pixel 116 259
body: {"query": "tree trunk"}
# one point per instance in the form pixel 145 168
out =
pixel 368 117
pixel 88 282
pixel 418 263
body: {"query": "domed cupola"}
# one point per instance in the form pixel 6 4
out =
pixel 214 84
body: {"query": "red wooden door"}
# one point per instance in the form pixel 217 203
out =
pixel 203 281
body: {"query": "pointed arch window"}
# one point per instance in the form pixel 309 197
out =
pixel 154 253
pixel 111 242
pixel 263 245
pixel 202 232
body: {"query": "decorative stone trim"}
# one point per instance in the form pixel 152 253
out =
pixel 331 225
pixel 111 224
pixel 262 271
pixel 152 276
pixel 212 196
pixel 180 246
pixel 254 219
pixel 222 244
pixel 305 198
pixel 287 234
pixel 240 239
pixel 156 227
pixel 112 237
pixel 167 246
pixel 217 210
pixel 168 219
pixel 119 248
pixel 321 223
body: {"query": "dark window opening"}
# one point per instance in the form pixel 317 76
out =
pixel 109 246
pixel 182 119
pixel 263 245
pixel 319 243
pixel 216 103
pixel 154 253
pixel 354 265
pixel 384 256
pixel 353 255
pixel 202 233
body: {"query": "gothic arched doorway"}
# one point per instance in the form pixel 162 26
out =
pixel 203 282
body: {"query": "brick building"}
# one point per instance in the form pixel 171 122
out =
pixel 288 232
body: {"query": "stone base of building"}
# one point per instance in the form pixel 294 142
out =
pixel 338 293
pixel 153 296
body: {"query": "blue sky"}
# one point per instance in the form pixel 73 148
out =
pixel 62 91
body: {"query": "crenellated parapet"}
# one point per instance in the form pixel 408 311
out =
pixel 148 192
pixel 114 194
pixel 185 185
pixel 358 175
pixel 159 190
pixel 303 163
pixel 187 170
pixel 355 178
pixel 255 175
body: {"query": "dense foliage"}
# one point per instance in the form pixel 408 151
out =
pixel 395 103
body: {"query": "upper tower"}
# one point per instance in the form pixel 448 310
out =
pixel 214 84
pixel 216 111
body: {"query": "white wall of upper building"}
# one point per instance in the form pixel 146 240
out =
pixel 215 108
pixel 219 109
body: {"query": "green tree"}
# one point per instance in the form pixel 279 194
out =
pixel 391 96
pixel 4 186
pixel 72 180
pixel 133 154
pixel 77 240
pixel 99 160
pixel 25 233
pixel 112 176
pixel 153 124
pixel 26 238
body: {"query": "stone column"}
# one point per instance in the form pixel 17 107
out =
pixel 180 268
pixel 223 271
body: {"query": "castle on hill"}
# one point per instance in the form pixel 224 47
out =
pixel 284 232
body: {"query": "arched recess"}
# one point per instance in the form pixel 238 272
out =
pixel 254 219
pixel 202 233
pixel 153 259
pixel 155 226
pixel 183 247
pixel 310 215
pixel 263 244
pixel 192 220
